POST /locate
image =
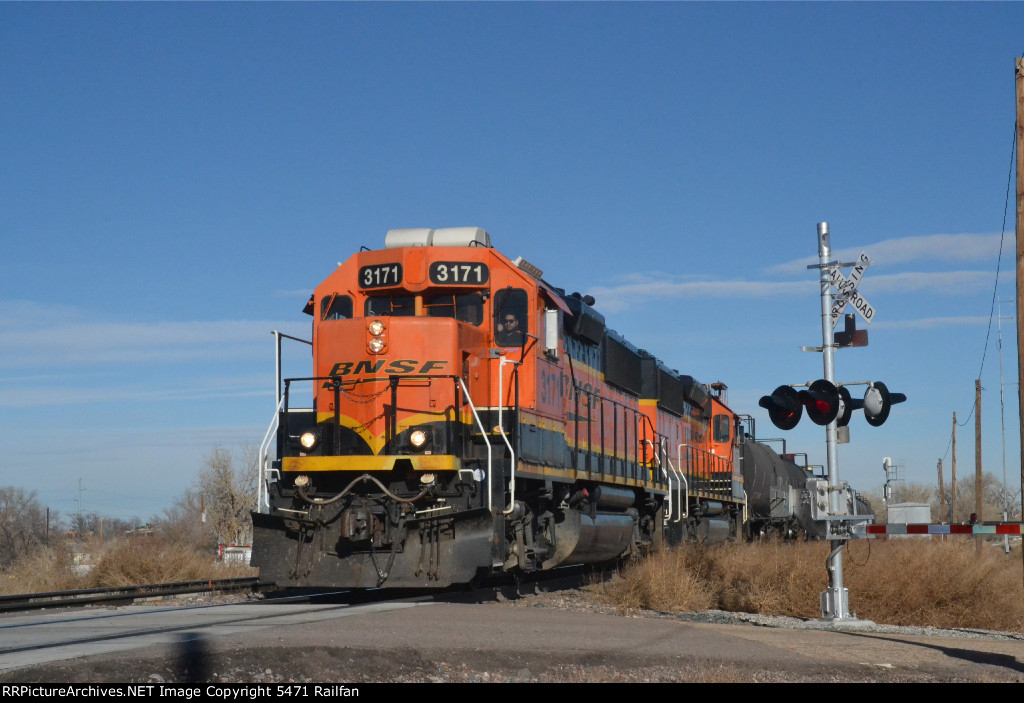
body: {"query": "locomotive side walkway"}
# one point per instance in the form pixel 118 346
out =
pixel 502 642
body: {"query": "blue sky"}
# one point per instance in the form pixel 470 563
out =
pixel 177 178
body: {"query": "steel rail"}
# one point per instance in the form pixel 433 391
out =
pixel 120 594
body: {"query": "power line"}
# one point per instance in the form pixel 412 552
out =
pixel 995 286
pixel 999 259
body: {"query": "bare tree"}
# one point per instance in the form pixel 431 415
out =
pixel 994 497
pixel 913 493
pixel 183 521
pixel 23 524
pixel 229 493
pixel 96 525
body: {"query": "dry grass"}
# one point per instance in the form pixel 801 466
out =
pixel 122 562
pixel 131 562
pixel 41 571
pixel 944 584
pixel 666 582
pixel 768 577
pixel 902 582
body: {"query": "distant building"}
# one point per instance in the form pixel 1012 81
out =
pixel 909 514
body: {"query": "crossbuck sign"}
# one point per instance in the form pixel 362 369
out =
pixel 848 293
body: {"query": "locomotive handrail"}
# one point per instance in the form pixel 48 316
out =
pixel 654 433
pixel 715 461
pixel 685 502
pixel 668 461
pixel 708 463
pixel 711 459
pixel 654 453
pixel 483 433
pixel 680 483
pixel 263 494
pixel 633 464
pixel 501 429
pixel 668 478
pixel 277 338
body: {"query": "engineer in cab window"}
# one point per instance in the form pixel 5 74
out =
pixel 509 320
pixel 511 332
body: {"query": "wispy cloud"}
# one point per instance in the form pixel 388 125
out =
pixel 932 323
pixel 299 295
pixel 618 297
pixel 913 250
pixel 941 283
pixel 63 395
pixel 37 336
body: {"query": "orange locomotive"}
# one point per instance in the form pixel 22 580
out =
pixel 469 419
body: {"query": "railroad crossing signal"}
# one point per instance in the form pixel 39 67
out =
pixel 826 402
pixel 783 406
pixel 848 293
pixel 822 402
pixel 877 403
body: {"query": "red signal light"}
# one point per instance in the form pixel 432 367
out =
pixel 822 401
pixel 783 407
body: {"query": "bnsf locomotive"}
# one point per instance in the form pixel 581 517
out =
pixel 470 419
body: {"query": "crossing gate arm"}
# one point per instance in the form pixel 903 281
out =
pixel 997 528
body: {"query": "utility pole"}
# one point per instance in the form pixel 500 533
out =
pixel 1019 83
pixel 942 495
pixel 977 460
pixel 80 489
pixel 1002 399
pixel 977 449
pixel 1005 507
pixel 952 508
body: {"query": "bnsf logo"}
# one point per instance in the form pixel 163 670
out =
pixel 398 366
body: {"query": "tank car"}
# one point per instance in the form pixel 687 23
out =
pixel 464 418
pixel 781 494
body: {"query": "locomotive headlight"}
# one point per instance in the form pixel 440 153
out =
pixel 417 438
pixel 309 440
pixel 376 328
pixel 376 345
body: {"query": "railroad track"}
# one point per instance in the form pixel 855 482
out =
pixel 565 577
pixel 120 595
pixel 88 627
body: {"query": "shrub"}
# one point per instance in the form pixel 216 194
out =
pixel 901 582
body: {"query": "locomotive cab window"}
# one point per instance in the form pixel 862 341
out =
pixel 391 305
pixel 335 307
pixel 464 307
pixel 721 428
pixel 510 317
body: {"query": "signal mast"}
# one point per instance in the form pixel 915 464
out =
pixel 831 404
